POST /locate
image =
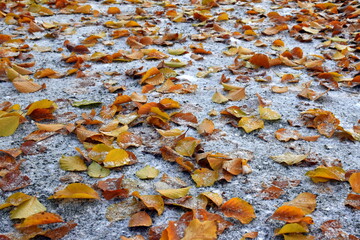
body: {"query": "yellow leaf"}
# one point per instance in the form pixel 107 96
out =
pixel 174 193
pixel 204 177
pixel 15 199
pixel 289 158
pixel 305 201
pixel 99 152
pixel 147 173
pixel 268 114
pixel 170 133
pixel 250 124
pixel 324 174
pixel 76 190
pixel 179 51
pixel 298 236
pixel 206 127
pixel 97 171
pixel 27 209
pixel 8 125
pixel 72 163
pixel 214 197
pixel 197 230
pixel 45 103
pixel 116 158
pixel 219 98
pixel 187 146
pixel 292 228
pixel 239 209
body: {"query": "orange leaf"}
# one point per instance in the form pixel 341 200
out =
pixel 353 200
pixel 286 135
pixel 152 201
pixel 239 209
pixel 305 201
pixel 113 10
pixel 288 214
pixel 354 181
pixel 140 219
pixel 260 60
pixel 47 72
pixel 39 219
pixel 76 190
pixel 206 127
pixel 205 230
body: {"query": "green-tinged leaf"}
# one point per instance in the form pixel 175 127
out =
pixel 289 158
pixel 175 64
pixel 27 209
pixel 179 51
pixel 97 171
pixel 8 125
pixel 72 163
pixel 147 173
pixel 174 193
pixel 86 103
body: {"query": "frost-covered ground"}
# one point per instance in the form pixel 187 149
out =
pixel 45 174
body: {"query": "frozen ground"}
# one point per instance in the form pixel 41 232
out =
pixel 45 174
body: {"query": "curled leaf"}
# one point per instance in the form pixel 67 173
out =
pixel 76 190
pixel 324 174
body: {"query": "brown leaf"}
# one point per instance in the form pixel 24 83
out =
pixel 353 200
pixel 354 181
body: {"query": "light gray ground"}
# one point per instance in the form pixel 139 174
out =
pixel 44 171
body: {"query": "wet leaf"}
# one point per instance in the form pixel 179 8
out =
pixel 174 193
pixel 289 158
pixel 324 174
pixel 76 190
pixel 205 230
pixel 204 177
pixel 97 171
pixel 147 172
pixel 122 210
pixel 27 208
pixel 250 124
pixel 72 163
pixel 239 209
pixel 39 219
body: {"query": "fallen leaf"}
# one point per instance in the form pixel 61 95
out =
pixel 8 125
pixel 268 114
pixel 292 228
pixel 116 158
pixel 97 171
pixel 250 124
pixel 353 200
pixel 305 201
pixel 187 146
pixel 324 174
pixel 286 135
pixel 151 202
pixel 354 181
pixel 27 208
pixel 289 214
pixel 289 158
pixel 206 127
pixel 39 219
pixel 147 172
pixel 214 197
pixel 122 210
pixel 205 230
pixel 239 209
pixel 174 193
pixel 72 163
pixel 76 190
pixel 204 177
pixel 140 219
